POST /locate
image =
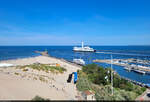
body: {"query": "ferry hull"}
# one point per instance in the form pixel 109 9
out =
pixel 84 51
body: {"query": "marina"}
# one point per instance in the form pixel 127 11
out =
pixel 126 63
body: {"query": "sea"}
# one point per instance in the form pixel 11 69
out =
pixel 102 52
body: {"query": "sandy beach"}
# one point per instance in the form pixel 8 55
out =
pixel 16 84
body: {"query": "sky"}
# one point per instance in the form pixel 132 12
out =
pixel 68 22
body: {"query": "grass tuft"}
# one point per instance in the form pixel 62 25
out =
pixel 16 73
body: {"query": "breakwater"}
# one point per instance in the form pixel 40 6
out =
pixel 136 82
pixel 44 53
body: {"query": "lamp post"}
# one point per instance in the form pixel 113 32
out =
pixel 111 76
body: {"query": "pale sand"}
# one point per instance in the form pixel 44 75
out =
pixel 27 85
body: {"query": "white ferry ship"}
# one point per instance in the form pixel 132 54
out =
pixel 83 48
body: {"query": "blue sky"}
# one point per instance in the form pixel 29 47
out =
pixel 68 22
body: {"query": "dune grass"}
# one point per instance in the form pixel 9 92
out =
pixel 44 67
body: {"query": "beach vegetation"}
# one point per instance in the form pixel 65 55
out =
pixel 16 73
pixel 35 78
pixel 25 70
pixel 38 98
pixel 93 77
pixel 42 79
pixel 45 67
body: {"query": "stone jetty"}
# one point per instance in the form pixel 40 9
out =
pixel 44 53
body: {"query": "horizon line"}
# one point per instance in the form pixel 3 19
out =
pixel 74 45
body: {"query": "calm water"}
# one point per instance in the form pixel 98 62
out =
pixel 103 52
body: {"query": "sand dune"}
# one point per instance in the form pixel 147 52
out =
pixel 26 85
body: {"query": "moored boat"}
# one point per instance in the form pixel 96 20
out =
pixel 79 61
pixel 127 68
pixel 139 71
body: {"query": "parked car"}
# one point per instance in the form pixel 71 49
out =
pixel 148 94
pixel 69 78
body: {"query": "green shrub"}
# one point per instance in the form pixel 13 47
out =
pixel 143 89
pixel 16 73
pixel 83 83
pixel 92 77
pixel 38 98
pixel 42 79
pixel 25 70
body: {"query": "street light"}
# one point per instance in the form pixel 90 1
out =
pixel 111 76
